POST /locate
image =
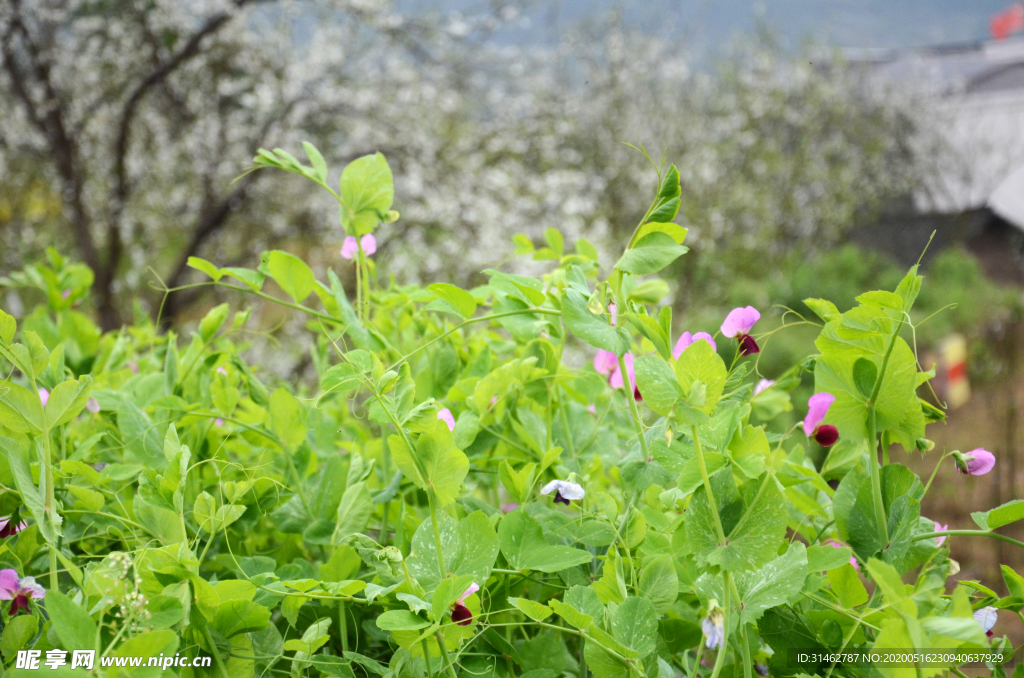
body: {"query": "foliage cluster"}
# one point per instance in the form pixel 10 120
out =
pixel 454 498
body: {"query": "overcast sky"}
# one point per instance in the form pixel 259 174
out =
pixel 706 25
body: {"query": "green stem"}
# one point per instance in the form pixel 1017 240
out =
pixel 707 487
pixel 426 656
pixel 48 508
pixel 437 534
pixel 343 625
pixel 444 654
pixel 876 476
pixel 696 659
pixel 633 410
pixel 935 472
pixel 744 644
pixel 724 646
pixel 969 533
pixel 216 653
pixel 483 318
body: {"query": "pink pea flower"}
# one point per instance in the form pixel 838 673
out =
pixel 8 528
pixel 738 324
pixel 218 421
pixel 939 527
pixel 369 244
pixel 92 405
pixel 349 248
pixel 605 362
pixel 687 339
pixel 445 415
pixel 763 385
pixel 853 559
pixel 19 590
pixel 509 508
pixel 617 381
pixel 987 617
pixel 44 395
pixel 221 370
pixel 817 408
pixel 592 408
pixel 613 311
pixel 65 294
pixel 133 367
pixel 976 462
pixel 461 614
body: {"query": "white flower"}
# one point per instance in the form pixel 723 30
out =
pixel 564 490
pixel 713 627
pixel 986 616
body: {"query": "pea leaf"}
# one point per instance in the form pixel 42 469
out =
pixel 531 608
pixel 461 301
pixel 367 191
pixel 525 548
pixel 470 547
pixel 650 254
pixel 847 586
pixel 590 328
pixel 700 363
pixel 635 625
pixel 1010 512
pixel 292 274
pixel 659 583
pixel 438 465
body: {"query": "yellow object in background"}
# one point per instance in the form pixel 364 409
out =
pixel 956 386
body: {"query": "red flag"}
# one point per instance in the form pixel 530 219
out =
pixel 1007 22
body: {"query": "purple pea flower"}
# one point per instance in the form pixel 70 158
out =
pixel 687 339
pixel 987 617
pixel 9 528
pixel 605 362
pixel 763 385
pixel 738 324
pixel 445 415
pixel 19 590
pixel 44 395
pixel 817 408
pixel 977 462
pixel 461 614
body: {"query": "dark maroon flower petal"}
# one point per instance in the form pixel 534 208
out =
pixel 461 615
pixel 559 499
pixel 20 602
pixel 748 346
pixel 12 528
pixel 636 394
pixel 826 435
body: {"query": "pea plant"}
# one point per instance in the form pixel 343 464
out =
pixel 529 479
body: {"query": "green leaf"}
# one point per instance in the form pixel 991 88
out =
pixel 1010 512
pixel 554 240
pixel 674 231
pixel 66 400
pixel 461 301
pixel 367 191
pixel 864 375
pixel 592 329
pixel 17 633
pixel 316 160
pixel 650 254
pixel 823 308
pixel 700 363
pixel 525 548
pixel 353 511
pixel 292 274
pixel 847 587
pixel 777 583
pixel 657 383
pixel 437 466
pixel 286 418
pixel 635 625
pixel 823 558
pixel 240 616
pixel 659 583
pixel 756 539
pixel 252 279
pixel 213 321
pixel 532 609
pixel 21 410
pixel 17 458
pixel 401 620
pixel 206 267
pixel 73 625
pixel 571 615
